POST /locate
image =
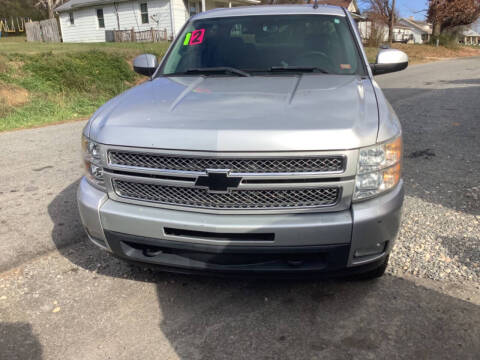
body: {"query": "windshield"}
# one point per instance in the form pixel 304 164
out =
pixel 240 46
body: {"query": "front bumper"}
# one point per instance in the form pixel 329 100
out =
pixel 360 237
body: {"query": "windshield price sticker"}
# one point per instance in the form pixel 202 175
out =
pixel 194 37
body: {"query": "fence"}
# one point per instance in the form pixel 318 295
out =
pixel 151 35
pixel 43 31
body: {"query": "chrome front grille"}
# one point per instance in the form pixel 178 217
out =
pixel 234 199
pixel 231 183
pixel 320 164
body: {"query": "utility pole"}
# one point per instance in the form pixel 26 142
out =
pixel 392 23
pixel 115 5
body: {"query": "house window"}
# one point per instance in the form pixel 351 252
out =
pixel 72 20
pixel 144 13
pixel 194 7
pixel 101 20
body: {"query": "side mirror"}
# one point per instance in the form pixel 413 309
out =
pixel 389 60
pixel 145 64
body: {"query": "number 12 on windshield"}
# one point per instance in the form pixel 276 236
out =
pixel 194 37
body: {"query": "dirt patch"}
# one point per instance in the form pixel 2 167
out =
pixel 466 51
pixel 13 96
pixel 140 80
pixel 419 54
pixel 427 53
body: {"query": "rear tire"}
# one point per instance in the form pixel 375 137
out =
pixel 375 273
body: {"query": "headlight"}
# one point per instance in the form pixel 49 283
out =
pixel 379 169
pixel 92 160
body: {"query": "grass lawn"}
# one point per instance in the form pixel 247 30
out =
pixel 47 83
pixel 19 45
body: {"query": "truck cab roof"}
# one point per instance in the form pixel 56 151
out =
pixel 272 10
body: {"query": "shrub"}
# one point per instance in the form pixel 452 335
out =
pixel 446 39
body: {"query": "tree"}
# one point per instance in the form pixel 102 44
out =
pixel 447 14
pixel 50 5
pixel 382 11
pixel 21 9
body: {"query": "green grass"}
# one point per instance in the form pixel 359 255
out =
pixel 19 45
pixel 64 81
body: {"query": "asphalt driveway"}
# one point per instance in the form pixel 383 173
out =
pixel 62 298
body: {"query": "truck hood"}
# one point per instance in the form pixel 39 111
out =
pixel 310 112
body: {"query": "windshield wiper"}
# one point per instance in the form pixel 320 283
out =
pixel 312 69
pixel 217 70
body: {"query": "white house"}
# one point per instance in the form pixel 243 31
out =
pixel 87 20
pixel 421 30
pixel 469 37
pixel 405 30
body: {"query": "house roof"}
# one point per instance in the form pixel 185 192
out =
pixel 470 32
pixel 74 4
pixel 342 3
pixel 419 25
pixel 400 26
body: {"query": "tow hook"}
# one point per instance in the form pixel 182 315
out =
pixel 152 252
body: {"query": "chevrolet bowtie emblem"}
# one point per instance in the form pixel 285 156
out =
pixel 218 181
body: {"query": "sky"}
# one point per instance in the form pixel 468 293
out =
pixel 410 8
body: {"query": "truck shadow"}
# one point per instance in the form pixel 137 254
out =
pixel 211 319
pixel 63 211
pixel 215 318
pixel 18 342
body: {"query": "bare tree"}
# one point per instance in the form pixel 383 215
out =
pixel 50 5
pixel 382 11
pixel 447 14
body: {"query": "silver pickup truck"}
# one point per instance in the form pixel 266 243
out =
pixel 261 144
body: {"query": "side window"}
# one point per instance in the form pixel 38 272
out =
pixel 101 20
pixel 144 13
pixel 72 20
